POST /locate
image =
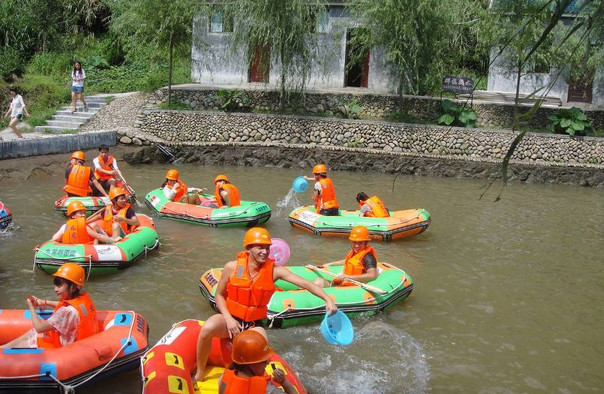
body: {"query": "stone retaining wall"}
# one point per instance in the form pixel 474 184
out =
pixel 460 143
pixel 369 160
pixel 373 106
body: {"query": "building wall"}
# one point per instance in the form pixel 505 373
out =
pixel 214 62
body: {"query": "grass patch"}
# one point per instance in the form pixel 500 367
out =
pixel 175 105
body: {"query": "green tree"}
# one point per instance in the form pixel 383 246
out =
pixel 422 40
pixel 159 23
pixel 286 29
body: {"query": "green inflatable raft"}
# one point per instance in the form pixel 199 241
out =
pixel 100 258
pixel 249 213
pixel 291 305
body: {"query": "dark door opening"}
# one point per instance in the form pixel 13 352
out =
pixel 357 62
pixel 260 66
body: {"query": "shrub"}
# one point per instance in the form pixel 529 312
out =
pixel 454 115
pixel 10 62
pixel 349 109
pixel 571 121
pixel 233 100
pixel 53 64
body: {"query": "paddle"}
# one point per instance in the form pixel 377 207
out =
pixel 126 185
pixel 365 286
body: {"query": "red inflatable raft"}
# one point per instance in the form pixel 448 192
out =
pixel 116 348
pixel 168 366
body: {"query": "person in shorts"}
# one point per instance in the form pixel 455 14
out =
pixel 77 86
pixel 16 110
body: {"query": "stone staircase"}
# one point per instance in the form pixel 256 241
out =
pixel 64 119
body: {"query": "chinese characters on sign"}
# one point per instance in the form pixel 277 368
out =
pixel 457 84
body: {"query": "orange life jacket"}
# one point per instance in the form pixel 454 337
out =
pixel 87 326
pixel 327 199
pixel 378 209
pixel 181 191
pixel 105 166
pixel 76 233
pixel 248 298
pixel 108 219
pixel 233 195
pixel 78 182
pixel 231 383
pixel 353 264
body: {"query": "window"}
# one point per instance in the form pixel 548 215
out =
pixel 220 24
pixel 322 22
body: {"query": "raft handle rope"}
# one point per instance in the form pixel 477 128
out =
pixel 155 245
pixel 71 388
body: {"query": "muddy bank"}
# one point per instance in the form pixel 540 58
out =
pixel 305 157
pixel 40 166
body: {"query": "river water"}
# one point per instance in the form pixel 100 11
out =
pixel 508 298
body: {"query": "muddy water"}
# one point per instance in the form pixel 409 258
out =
pixel 508 297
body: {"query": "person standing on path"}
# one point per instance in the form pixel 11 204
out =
pixel 16 110
pixel 77 86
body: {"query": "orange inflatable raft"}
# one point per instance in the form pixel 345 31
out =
pixel 116 348
pixel 168 366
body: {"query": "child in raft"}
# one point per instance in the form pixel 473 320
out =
pixel 247 373
pixel 74 315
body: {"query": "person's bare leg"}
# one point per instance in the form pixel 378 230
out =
pixel 74 96
pixel 17 342
pixel 215 326
pixel 13 125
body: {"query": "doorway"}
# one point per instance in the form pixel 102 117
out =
pixel 356 69
pixel 260 65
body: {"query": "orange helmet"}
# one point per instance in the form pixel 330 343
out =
pixel 116 192
pixel 221 178
pixel 359 234
pixel 250 347
pixel 72 272
pixel 319 169
pixel 172 175
pixel 74 207
pixel 78 155
pixel 257 236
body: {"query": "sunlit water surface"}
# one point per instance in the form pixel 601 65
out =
pixel 509 295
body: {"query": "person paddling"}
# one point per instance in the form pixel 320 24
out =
pixel 360 264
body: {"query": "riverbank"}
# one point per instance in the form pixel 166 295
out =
pixel 216 138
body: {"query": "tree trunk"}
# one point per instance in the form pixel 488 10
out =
pixel 517 100
pixel 170 72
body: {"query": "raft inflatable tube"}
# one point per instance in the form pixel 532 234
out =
pixel 399 224
pixel 5 216
pixel 291 305
pixel 92 203
pixel 122 340
pixel 100 258
pixel 168 366
pixel 248 214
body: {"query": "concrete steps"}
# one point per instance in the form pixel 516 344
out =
pixel 66 120
pixel 509 98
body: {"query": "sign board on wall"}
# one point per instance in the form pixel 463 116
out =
pixel 458 84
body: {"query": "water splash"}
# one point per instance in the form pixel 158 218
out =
pixel 287 203
pixel 381 359
pixel 9 230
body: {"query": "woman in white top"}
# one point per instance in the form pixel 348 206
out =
pixel 16 109
pixel 77 86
